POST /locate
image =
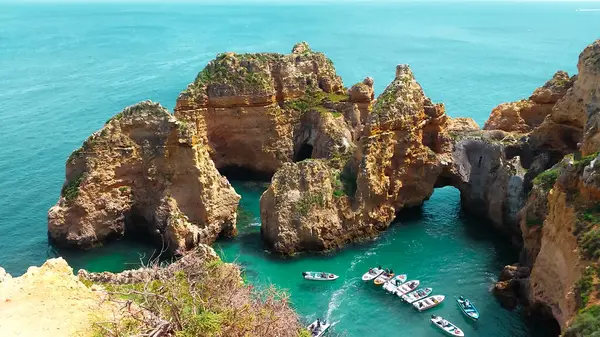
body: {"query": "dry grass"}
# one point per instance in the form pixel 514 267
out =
pixel 197 298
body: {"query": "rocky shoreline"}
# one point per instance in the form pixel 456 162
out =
pixel 343 164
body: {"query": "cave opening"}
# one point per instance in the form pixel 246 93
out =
pixel 235 172
pixel 304 152
pixel 542 321
pixel 138 228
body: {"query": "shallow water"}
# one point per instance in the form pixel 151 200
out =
pixel 65 69
pixel 437 244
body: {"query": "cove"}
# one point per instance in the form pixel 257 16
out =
pixel 438 244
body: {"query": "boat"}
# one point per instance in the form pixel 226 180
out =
pixel 468 308
pixel 428 302
pixel 318 328
pixel 416 295
pixel 383 278
pixel 319 276
pixel 372 274
pixel 407 287
pixel 392 284
pixel 446 326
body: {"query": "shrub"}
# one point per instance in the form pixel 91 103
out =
pixel 547 178
pixel 71 190
pixel 585 324
pixel 307 201
pixel 196 299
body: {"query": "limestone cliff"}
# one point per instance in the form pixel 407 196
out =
pixel 249 106
pixel 527 114
pixel 143 173
pixel 50 301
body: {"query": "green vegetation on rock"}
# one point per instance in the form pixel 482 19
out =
pixel 70 191
pixel 586 285
pixel 585 324
pixel 308 201
pixel 314 99
pixel 547 178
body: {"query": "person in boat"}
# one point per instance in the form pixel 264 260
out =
pixel 391 271
pixel 370 270
pixel 420 304
pixel 318 323
pixel 323 275
pixel 467 304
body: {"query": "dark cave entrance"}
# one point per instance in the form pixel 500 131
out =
pixel 304 152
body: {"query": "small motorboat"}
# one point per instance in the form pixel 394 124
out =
pixel 383 278
pixel 372 274
pixel 428 302
pixel 318 328
pixel 416 295
pixel 392 284
pixel 468 308
pixel 446 326
pixel 319 276
pixel 407 287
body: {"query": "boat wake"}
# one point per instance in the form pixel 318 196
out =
pixel 587 10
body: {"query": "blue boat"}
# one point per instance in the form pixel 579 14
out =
pixel 468 308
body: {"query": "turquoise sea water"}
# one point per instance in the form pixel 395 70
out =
pixel 65 69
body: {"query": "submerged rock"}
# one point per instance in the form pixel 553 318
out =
pixel 144 173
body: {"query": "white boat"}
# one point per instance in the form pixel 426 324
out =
pixel 416 295
pixel 429 302
pixel 318 328
pixel 407 287
pixel 319 276
pixel 392 284
pixel 372 274
pixel 383 278
pixel 446 326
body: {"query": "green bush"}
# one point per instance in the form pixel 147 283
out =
pixel 585 324
pixel 547 178
pixel 70 191
pixel 308 201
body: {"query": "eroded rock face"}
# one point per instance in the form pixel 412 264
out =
pixel 491 184
pixel 462 124
pixel 563 129
pixel 317 205
pixel 143 173
pixel 248 106
pixel 299 210
pixel 525 115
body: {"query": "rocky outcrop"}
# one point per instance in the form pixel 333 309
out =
pixel 489 180
pixel 512 285
pixel 249 106
pixel 144 172
pixel 563 130
pixel 50 301
pixel 525 115
pixel 462 124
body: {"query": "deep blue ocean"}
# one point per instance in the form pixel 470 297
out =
pixel 66 68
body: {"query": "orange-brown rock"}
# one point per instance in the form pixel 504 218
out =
pixel 462 124
pixel 248 106
pixel 146 172
pixel 525 115
pixel 576 113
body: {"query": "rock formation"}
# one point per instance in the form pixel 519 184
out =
pixel 560 217
pixel 404 151
pixel 527 114
pixel 49 301
pixel 143 173
pixel 248 105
